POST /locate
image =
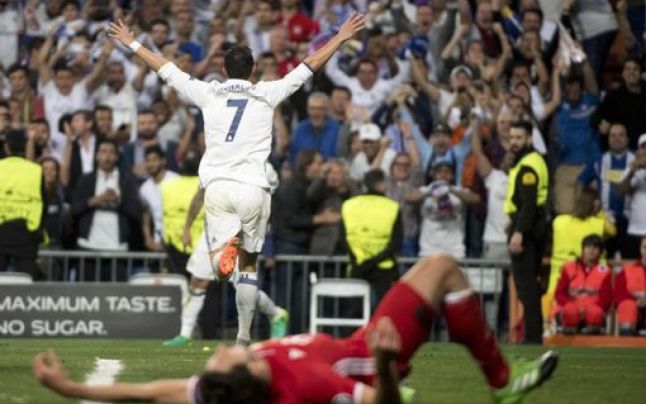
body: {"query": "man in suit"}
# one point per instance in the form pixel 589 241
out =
pixel 105 206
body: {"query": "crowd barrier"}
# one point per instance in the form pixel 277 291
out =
pixel 288 282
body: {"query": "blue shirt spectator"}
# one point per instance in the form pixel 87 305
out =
pixel 318 132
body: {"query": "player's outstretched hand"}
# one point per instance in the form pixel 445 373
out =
pixel 121 32
pixel 354 23
pixel 49 370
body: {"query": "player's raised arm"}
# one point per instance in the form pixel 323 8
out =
pixel 122 33
pixel 350 27
pixel 50 372
pixel 186 85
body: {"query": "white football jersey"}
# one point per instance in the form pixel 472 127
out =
pixel 238 121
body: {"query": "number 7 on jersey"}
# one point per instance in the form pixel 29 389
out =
pixel 240 106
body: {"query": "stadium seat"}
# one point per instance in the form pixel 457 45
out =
pixel 339 288
pixel 161 279
pixel 15 278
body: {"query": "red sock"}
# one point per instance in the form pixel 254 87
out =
pixel 467 326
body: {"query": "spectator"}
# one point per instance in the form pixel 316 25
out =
pixel 57 221
pixel 577 139
pixel 11 24
pixel 80 150
pixel 255 26
pixel 184 26
pixel 568 232
pixel 496 181
pixel 31 105
pixel 21 208
pixel 118 94
pixel 300 27
pixel 105 207
pixel 373 233
pixel 625 104
pixel 375 152
pixel 158 34
pixel 38 144
pixel 319 131
pixel 584 290
pixel 607 173
pixel 595 26
pixel 326 194
pixel 633 183
pixel 5 126
pixel 171 121
pixel 405 176
pixel 151 197
pixel 133 152
pixel 62 93
pixel 443 211
pixel 630 295
pixel 368 90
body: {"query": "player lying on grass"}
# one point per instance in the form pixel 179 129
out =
pixel 364 368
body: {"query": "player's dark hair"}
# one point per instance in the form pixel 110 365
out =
pixel 238 61
pixel 233 387
pixel 524 125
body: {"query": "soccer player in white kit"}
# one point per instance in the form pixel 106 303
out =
pixel 238 122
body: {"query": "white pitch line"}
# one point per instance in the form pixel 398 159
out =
pixel 103 374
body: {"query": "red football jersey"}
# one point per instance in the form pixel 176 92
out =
pixel 317 368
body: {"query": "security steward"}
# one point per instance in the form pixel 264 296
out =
pixel 177 194
pixel 373 234
pixel 525 204
pixel 21 207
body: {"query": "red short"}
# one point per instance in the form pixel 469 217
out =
pixel 411 315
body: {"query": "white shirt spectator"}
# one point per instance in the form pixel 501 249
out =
pixel 87 155
pixel 367 98
pixel 57 104
pixel 496 221
pixel 637 204
pixel 10 25
pixel 104 232
pixel 123 104
pixel 151 197
pixel 442 227
pixel 258 39
pixel 238 121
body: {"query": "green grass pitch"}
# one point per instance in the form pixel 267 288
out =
pixel 442 373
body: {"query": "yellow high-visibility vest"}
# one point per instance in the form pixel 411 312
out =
pixel 21 191
pixel 177 195
pixel 536 162
pixel 369 221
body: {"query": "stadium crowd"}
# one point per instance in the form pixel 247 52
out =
pixel 427 94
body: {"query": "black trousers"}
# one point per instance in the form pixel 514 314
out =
pixel 526 268
pixel 22 264
pixel 177 261
pixel 380 281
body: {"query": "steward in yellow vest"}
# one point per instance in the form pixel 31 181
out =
pixel 177 194
pixel 525 204
pixel 373 233
pixel 21 207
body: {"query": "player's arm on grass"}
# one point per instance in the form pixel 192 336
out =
pixel 350 27
pixel 191 88
pixel 50 372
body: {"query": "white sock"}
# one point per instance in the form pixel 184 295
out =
pixel 265 305
pixel 246 304
pixel 190 311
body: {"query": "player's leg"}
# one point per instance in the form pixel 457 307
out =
pixel 594 318
pixel 199 268
pixel 252 207
pixel 440 283
pixel 571 317
pixel 627 314
pixel 222 227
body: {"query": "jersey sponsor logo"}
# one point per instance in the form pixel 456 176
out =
pixel 529 179
pixel 295 354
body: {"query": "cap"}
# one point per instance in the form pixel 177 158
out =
pixel 642 140
pixel 461 68
pixel 441 127
pixel 369 131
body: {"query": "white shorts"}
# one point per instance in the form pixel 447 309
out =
pixel 232 208
pixel 199 266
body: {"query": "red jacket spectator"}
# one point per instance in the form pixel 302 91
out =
pixel 630 296
pixel 301 28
